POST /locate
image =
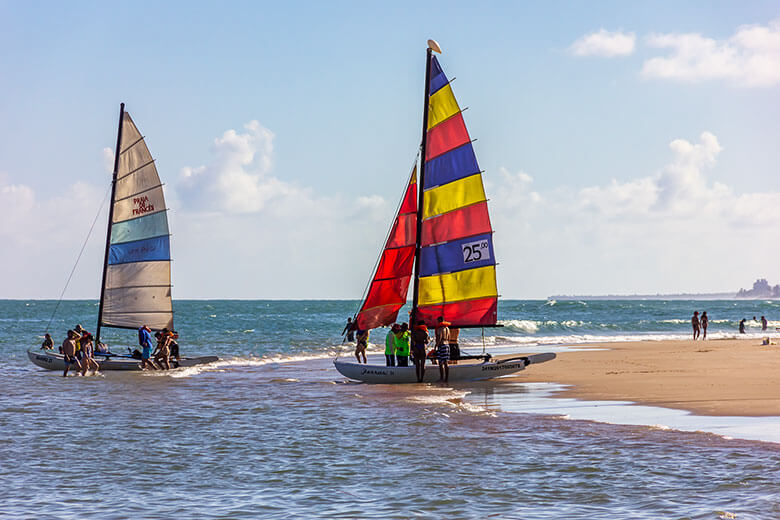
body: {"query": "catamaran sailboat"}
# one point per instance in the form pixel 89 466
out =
pixel 443 240
pixel 136 287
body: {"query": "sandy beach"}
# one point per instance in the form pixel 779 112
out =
pixel 730 377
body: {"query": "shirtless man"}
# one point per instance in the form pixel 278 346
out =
pixel 443 348
pixel 362 345
pixel 69 352
pixel 695 324
pixel 163 350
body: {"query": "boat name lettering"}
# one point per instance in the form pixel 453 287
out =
pixel 377 372
pixel 43 358
pixel 143 205
pixel 503 367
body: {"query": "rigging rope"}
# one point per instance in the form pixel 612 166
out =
pixel 83 246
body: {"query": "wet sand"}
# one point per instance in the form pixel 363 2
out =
pixel 728 377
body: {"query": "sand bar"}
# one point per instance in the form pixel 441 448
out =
pixel 730 377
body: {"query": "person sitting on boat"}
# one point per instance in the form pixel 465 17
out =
pixel 362 344
pixel 47 344
pixel 101 348
pixel 443 348
pixel 145 340
pixel 349 330
pixel 88 355
pixel 69 352
pixel 163 351
pixel 390 345
pixel 454 347
pixel 420 339
pixel 402 345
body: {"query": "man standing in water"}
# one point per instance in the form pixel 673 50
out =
pixel 419 340
pixel 695 324
pixel 145 340
pixel 763 323
pixel 443 348
pixel 362 345
pixel 390 345
pixel 69 352
pixel 349 329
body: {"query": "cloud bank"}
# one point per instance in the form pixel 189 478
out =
pixel 604 44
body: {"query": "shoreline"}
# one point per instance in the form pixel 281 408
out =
pixel 720 377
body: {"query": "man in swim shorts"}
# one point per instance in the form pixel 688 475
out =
pixel 362 345
pixel 69 352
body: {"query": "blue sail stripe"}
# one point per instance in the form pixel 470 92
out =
pixel 438 78
pixel 451 166
pixel 150 249
pixel 148 226
pixel 457 255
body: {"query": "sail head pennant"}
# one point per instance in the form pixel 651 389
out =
pixel 457 260
pixel 138 276
pixel 390 283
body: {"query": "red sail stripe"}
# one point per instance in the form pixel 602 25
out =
pixel 446 136
pixel 470 312
pixel 462 222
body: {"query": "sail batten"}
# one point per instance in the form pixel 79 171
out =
pixel 137 287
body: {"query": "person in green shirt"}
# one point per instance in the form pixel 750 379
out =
pixel 390 344
pixel 402 345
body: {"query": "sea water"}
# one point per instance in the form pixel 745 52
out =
pixel 273 431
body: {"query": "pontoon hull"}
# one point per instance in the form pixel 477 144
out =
pixel 53 361
pixel 463 371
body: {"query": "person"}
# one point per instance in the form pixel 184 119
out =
pixel 69 352
pixel 163 351
pixel 83 336
pixel 145 340
pixel 402 345
pixel 390 345
pixel 763 323
pixel 101 348
pixel 695 324
pixel 47 344
pixel 742 326
pixel 420 339
pixel 174 346
pixel 88 354
pixel 443 348
pixel 454 347
pixel 349 329
pixel 362 344
pixel 704 322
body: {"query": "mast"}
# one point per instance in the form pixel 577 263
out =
pixel 110 218
pixel 421 184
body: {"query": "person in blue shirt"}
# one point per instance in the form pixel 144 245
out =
pixel 145 340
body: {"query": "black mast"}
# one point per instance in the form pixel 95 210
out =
pixel 110 218
pixel 413 316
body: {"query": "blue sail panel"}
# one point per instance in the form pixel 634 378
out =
pixel 451 166
pixel 458 255
pixel 146 250
pixel 438 78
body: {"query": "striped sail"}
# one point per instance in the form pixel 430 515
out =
pixel 457 263
pixel 390 284
pixel 138 278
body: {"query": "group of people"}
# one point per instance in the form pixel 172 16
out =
pixel 700 324
pixel 77 349
pixel 157 357
pixel 401 342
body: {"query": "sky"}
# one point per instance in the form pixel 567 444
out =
pixel 628 147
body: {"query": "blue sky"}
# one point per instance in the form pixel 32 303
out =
pixel 628 146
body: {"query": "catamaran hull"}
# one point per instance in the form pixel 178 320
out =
pixel 463 371
pixel 54 361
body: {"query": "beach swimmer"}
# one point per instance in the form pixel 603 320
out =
pixel 402 345
pixel 69 352
pixel 390 345
pixel 763 323
pixel 742 326
pixel 443 348
pixel 704 322
pixel 349 330
pixel 47 344
pixel 420 339
pixel 362 344
pixel 695 324
pixel 145 340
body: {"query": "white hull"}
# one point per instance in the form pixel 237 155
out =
pixel 465 370
pixel 54 361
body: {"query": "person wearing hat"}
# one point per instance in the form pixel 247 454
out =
pixel 443 348
pixel 390 344
pixel 47 344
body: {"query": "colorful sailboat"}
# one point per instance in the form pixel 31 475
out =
pixel 136 283
pixel 442 240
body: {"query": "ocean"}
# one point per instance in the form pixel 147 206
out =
pixel 273 431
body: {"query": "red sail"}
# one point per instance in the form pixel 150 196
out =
pixel 387 293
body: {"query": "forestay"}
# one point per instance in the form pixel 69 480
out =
pixel 137 287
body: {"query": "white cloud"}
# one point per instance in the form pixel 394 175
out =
pixel 605 44
pixel 749 58
pixel 108 159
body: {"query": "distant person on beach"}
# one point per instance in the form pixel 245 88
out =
pixel 362 345
pixel 47 344
pixel 695 324
pixel 704 322
pixel 443 348
pixel 454 347
pixel 390 345
pixel 349 330
pixel 763 323
pixel 402 349
pixel 742 326
pixel 420 339
pixel 145 341
pixel 69 352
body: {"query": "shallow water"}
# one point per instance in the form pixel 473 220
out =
pixel 260 435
